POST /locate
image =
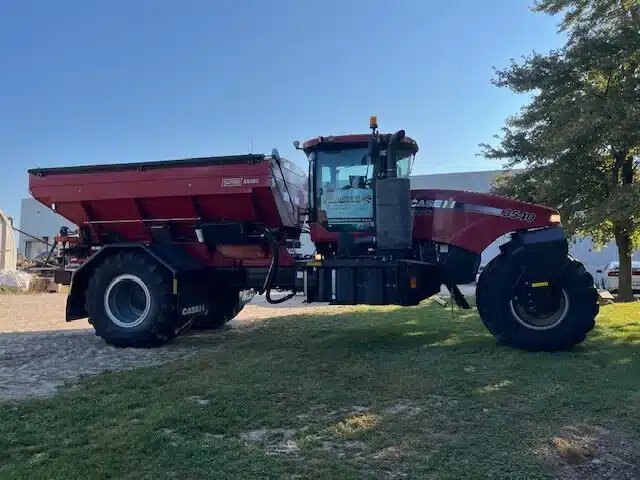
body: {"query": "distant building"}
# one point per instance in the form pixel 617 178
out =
pixel 480 182
pixel 41 222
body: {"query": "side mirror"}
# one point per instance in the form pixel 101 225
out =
pixel 296 145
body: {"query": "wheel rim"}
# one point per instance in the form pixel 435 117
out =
pixel 541 321
pixel 127 301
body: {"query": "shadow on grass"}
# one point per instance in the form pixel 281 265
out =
pixel 399 328
pixel 363 329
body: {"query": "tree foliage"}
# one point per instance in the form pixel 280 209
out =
pixel 579 136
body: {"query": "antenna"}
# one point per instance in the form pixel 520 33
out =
pixel 251 147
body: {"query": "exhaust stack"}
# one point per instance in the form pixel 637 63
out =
pixel 392 201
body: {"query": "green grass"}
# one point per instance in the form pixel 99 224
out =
pixel 372 393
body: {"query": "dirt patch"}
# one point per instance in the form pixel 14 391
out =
pixel 173 437
pixel 585 452
pixel 358 417
pixel 199 400
pixel 275 441
pixel 403 408
pixel 287 447
pixel 322 413
pixel 389 453
pixel 357 423
pixel 266 435
pixel 352 448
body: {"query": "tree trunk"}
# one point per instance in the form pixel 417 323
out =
pixel 625 288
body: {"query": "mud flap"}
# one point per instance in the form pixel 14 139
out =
pixel 193 295
pixel 246 296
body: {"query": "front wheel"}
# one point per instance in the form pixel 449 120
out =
pixel 537 314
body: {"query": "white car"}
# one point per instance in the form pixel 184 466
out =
pixel 480 269
pixel 609 276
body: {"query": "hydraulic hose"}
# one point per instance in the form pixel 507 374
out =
pixel 273 270
pixel 53 247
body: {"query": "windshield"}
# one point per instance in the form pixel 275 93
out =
pixel 344 191
pixel 344 187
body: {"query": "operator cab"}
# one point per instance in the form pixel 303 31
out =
pixel 342 178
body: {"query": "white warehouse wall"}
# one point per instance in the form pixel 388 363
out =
pixel 480 182
pixel 38 220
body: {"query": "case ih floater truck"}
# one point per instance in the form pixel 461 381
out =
pixel 182 243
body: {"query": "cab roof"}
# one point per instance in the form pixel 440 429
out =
pixel 355 140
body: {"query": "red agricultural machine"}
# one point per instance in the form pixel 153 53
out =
pixel 181 243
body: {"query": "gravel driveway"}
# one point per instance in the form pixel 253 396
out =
pixel 39 351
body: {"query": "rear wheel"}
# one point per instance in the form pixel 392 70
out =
pixel 543 315
pixel 130 302
pixel 225 305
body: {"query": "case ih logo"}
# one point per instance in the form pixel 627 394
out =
pixel 429 203
pixel 195 309
pixel 236 182
pixel 423 207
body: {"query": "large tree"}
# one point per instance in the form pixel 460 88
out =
pixel 579 136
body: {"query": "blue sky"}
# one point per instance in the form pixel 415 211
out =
pixel 119 81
